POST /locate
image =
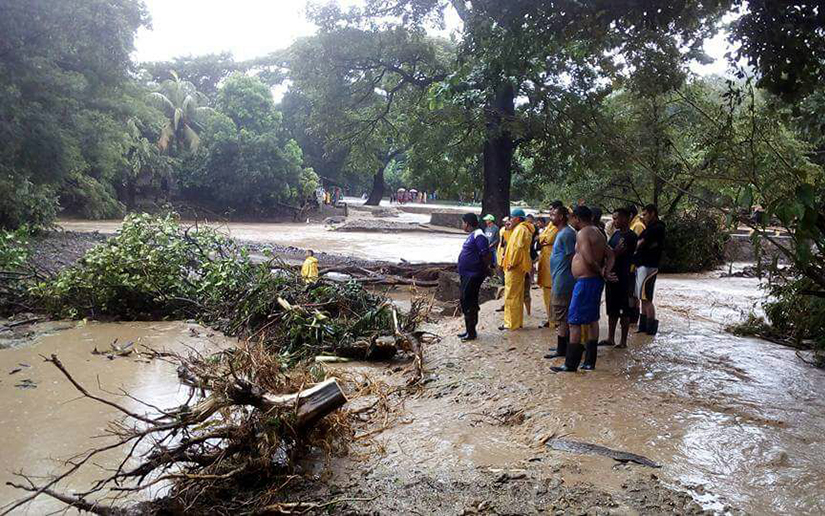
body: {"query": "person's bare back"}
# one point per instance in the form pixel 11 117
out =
pixel 591 249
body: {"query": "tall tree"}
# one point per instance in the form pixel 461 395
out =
pixel 61 66
pixel 182 104
pixel 520 48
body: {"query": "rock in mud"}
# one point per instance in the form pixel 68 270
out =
pixel 449 288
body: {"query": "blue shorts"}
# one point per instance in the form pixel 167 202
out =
pixel 586 302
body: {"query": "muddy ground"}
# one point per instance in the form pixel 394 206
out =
pixel 737 424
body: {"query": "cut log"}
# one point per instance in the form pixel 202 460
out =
pixel 310 404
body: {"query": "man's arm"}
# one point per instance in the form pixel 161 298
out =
pixel 610 261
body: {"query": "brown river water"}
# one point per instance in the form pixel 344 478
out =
pixel 737 422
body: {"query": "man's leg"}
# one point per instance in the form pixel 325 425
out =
pixel 528 300
pixel 513 300
pixel 547 295
pixel 471 319
pixel 611 330
pixel 625 329
pixel 560 309
pixel 463 282
pixel 574 351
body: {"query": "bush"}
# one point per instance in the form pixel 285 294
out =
pixel 694 242
pixel 792 316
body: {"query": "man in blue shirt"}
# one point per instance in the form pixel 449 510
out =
pixel 563 281
pixel 473 266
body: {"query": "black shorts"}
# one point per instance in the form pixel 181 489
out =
pixel 617 299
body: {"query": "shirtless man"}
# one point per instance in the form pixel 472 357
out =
pixel 592 264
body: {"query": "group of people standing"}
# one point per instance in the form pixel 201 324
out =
pixel 574 259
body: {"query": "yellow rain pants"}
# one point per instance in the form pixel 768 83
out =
pixel 517 264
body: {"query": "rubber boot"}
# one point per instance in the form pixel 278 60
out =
pixel 561 348
pixel 571 360
pixel 642 324
pixel 652 327
pixel 590 352
pixel 470 321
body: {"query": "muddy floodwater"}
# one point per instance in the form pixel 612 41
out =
pixel 43 419
pixel 415 247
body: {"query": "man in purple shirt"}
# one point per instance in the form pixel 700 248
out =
pixel 473 267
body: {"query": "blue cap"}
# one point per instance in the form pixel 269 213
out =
pixel 518 212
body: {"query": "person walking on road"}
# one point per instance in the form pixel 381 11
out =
pixel 473 266
pixel 517 265
pixel 592 264
pixel 647 259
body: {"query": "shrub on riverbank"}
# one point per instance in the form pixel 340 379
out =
pixel 156 269
pixel 793 316
pixel 694 242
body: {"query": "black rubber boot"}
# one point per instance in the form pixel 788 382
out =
pixel 652 327
pixel 561 348
pixel 642 324
pixel 590 352
pixel 571 360
pixel 470 321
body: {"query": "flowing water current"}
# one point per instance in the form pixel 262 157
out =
pixel 739 421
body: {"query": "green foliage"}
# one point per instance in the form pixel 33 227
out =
pixel 14 248
pixel 54 95
pixel 155 268
pixel 143 272
pixel 248 163
pixel 695 242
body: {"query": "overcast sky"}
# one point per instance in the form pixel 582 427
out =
pixel 252 28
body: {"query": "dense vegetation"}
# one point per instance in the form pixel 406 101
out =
pixel 530 100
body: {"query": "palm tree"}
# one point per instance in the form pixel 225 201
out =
pixel 181 102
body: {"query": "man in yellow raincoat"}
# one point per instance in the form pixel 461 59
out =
pixel 545 273
pixel 309 270
pixel 516 264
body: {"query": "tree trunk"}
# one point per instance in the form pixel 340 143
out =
pixel 377 187
pixel 499 148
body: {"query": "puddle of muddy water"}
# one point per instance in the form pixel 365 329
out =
pixel 46 423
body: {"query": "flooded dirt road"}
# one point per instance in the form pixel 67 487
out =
pixel 43 419
pixel 737 423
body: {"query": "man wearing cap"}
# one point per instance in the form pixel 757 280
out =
pixel 491 232
pixel 516 264
pixel 473 265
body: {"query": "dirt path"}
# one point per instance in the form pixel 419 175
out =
pixel 716 411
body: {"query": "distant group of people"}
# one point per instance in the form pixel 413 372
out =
pixel 574 258
pixel 403 196
pixel 328 197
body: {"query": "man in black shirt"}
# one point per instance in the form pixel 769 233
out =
pixel 617 294
pixel 647 258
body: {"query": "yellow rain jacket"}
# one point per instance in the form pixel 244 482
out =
pixel 517 265
pixel 309 270
pixel 546 239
